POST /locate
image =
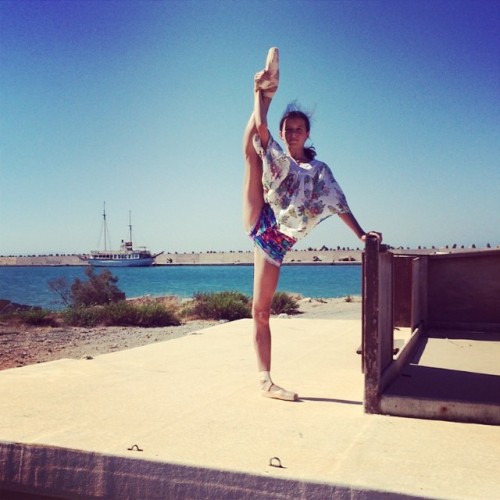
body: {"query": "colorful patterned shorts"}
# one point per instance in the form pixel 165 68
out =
pixel 269 239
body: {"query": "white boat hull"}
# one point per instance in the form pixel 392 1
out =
pixel 141 262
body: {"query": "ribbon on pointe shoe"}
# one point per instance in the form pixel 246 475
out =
pixel 274 391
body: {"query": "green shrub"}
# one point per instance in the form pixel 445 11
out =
pixel 145 315
pixel 82 316
pixel 220 305
pixel 36 316
pixel 122 314
pixel 157 315
pixel 99 289
pixel 119 314
pixel 61 287
pixel 284 303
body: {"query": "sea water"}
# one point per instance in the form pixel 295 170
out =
pixel 30 284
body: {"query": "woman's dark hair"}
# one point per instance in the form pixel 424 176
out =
pixel 293 111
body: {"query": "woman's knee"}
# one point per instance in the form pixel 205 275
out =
pixel 250 131
pixel 251 213
pixel 261 315
pixel 251 157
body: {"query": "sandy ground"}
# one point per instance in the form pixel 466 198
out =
pixel 29 345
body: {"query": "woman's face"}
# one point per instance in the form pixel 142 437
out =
pixel 294 133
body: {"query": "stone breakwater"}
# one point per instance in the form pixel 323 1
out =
pixel 199 258
pixel 325 257
pixel 246 258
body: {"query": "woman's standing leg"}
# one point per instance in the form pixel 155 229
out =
pixel 265 281
pixel 266 276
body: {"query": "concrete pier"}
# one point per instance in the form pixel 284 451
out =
pixel 184 419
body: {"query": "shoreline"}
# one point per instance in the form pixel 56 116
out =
pixel 25 345
pixel 222 264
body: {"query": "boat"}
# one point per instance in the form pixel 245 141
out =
pixel 127 256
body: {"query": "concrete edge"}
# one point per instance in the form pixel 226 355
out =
pixel 76 474
pixel 437 409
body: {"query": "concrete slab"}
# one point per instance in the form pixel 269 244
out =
pixel 183 419
pixel 452 375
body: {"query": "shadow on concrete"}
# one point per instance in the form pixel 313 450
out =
pixel 121 477
pixel 447 385
pixel 332 400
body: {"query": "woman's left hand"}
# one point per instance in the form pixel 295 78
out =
pixel 259 78
pixel 374 234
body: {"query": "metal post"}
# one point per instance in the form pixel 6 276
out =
pixel 370 342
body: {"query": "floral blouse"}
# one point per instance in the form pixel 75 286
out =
pixel 301 195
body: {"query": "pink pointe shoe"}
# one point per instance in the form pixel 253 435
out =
pixel 270 390
pixel 270 85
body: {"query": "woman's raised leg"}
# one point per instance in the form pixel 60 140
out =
pixel 253 194
pixel 265 86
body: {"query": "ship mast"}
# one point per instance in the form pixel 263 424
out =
pixel 104 230
pixel 130 225
pixel 104 225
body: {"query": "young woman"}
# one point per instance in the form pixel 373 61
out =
pixel 285 195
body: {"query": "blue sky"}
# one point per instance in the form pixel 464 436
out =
pixel 142 104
